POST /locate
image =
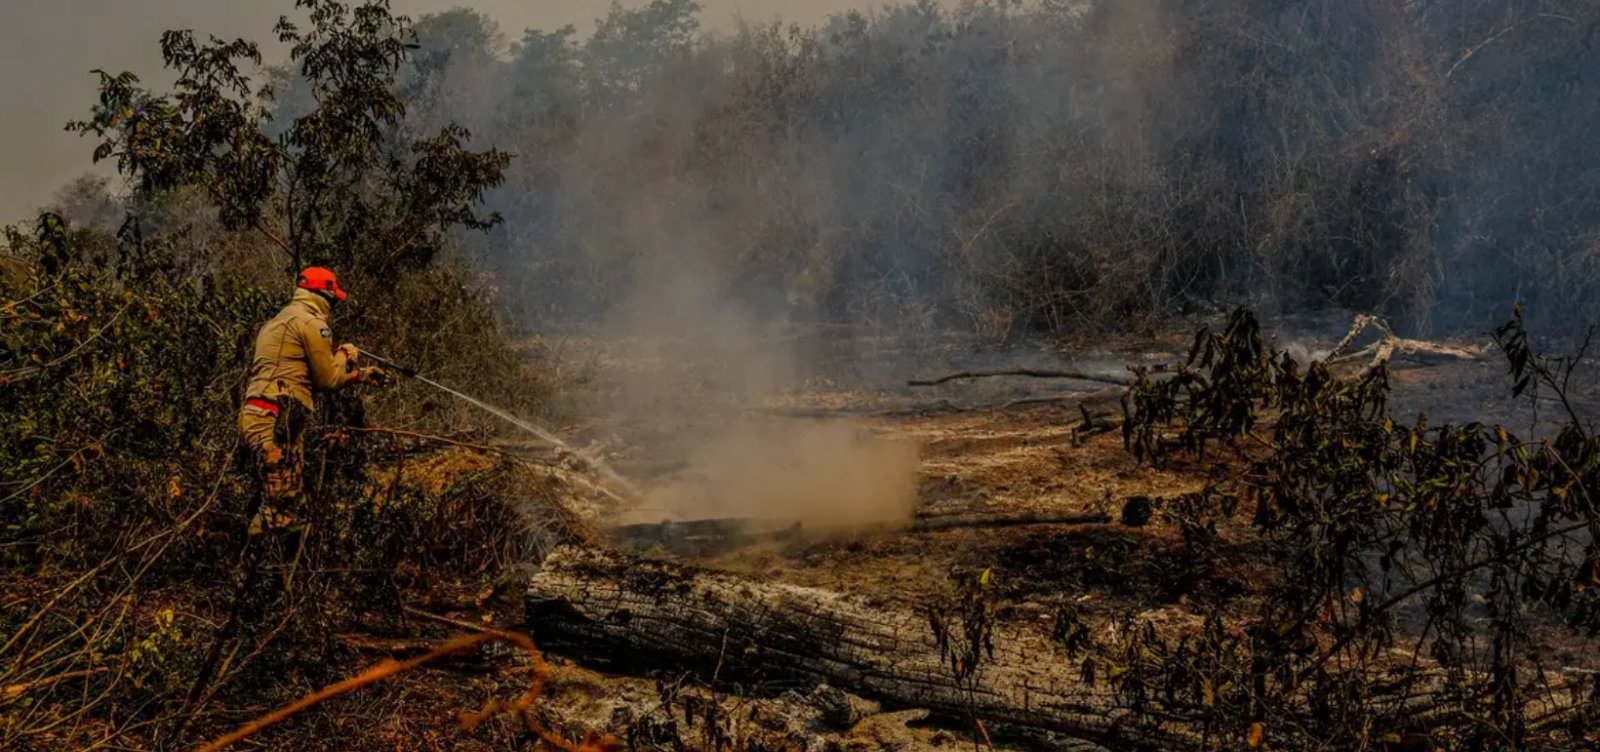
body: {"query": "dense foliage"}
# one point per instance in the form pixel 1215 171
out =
pixel 135 614
pixel 337 186
pixel 112 384
pixel 132 615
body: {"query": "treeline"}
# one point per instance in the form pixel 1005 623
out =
pixel 1044 165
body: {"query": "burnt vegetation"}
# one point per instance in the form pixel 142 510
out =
pixel 1420 571
pixel 1012 169
pixel 133 616
pixel 1024 167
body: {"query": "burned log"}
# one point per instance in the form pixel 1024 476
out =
pixel 706 537
pixel 632 612
pixel 627 612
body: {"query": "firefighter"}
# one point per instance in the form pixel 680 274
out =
pixel 294 357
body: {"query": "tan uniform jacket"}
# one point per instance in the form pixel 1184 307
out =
pixel 294 353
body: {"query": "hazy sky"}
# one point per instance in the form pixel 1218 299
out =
pixel 48 47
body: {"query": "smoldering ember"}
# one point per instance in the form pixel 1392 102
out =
pixel 771 376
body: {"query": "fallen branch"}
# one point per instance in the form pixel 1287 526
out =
pixel 1031 373
pixel 1092 425
pixel 1391 346
pixel 951 522
pixel 383 645
pixel 457 623
pixel 1362 321
pixel 1108 394
pixel 8 692
pixel 702 537
pixel 389 668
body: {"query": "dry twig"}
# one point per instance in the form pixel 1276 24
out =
pixel 389 668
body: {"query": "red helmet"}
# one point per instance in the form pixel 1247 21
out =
pixel 320 279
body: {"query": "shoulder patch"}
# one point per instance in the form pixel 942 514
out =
pixel 326 333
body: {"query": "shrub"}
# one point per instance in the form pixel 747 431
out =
pixel 1413 559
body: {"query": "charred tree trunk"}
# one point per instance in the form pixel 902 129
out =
pixel 629 612
pixel 632 611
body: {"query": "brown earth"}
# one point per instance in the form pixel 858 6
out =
pixel 1007 446
pixel 988 448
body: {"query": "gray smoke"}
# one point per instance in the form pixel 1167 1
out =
pixel 47 49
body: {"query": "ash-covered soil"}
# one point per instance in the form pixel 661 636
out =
pixel 1005 447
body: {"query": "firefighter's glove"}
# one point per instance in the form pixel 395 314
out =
pixel 349 351
pixel 375 376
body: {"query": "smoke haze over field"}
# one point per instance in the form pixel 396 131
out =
pixel 829 476
pixel 1000 165
pixel 1012 169
pixel 48 47
pixel 709 359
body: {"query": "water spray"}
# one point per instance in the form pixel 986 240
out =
pixel 588 457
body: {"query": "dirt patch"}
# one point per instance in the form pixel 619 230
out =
pixel 993 463
pixel 1009 448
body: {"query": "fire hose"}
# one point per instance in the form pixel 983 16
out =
pixel 590 458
